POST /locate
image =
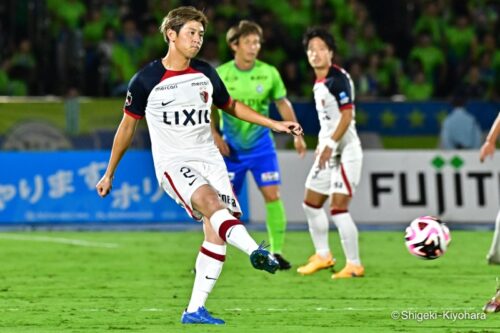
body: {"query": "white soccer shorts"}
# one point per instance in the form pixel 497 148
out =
pixel 342 174
pixel 181 179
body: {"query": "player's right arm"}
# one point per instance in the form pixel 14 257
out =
pixel 133 111
pixel 488 147
pixel 123 139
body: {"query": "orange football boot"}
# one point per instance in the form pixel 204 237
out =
pixel 350 271
pixel 316 263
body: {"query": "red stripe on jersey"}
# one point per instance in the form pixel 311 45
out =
pixel 133 115
pixel 229 101
pixel 346 106
pixel 346 181
pixel 320 80
pixel 225 226
pixel 213 255
pixel 171 73
pixel 180 197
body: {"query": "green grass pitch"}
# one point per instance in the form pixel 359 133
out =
pixel 141 282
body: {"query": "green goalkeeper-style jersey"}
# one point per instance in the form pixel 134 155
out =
pixel 256 87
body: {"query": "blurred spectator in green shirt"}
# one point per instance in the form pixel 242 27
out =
pixel 431 57
pixel 431 21
pixel 461 40
pixel 419 89
pixel 21 69
pixel 392 68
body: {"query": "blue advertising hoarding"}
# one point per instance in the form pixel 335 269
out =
pixel 59 187
pixel 398 118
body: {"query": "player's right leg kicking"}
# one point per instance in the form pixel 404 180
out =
pixel 207 195
pixel 221 227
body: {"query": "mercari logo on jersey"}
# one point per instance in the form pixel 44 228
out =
pixel 191 117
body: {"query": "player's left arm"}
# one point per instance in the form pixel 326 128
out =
pixel 345 120
pixel 286 111
pixel 342 88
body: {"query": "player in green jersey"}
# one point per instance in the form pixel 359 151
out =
pixel 248 147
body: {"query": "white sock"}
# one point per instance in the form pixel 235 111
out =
pixel 495 244
pixel 348 235
pixel 208 268
pixel 231 230
pixel 318 228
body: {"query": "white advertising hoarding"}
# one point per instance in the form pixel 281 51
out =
pixel 399 185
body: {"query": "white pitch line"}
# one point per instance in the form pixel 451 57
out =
pixel 69 241
pixel 347 309
pixel 350 309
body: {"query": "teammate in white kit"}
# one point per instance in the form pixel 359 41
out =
pixel 488 149
pixel 493 257
pixel 337 168
pixel 175 94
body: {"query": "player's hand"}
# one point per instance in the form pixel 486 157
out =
pixel 222 145
pixel 488 149
pixel 324 157
pixel 104 186
pixel 300 145
pixel 287 127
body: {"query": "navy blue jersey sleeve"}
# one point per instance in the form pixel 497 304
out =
pixel 340 86
pixel 136 100
pixel 220 96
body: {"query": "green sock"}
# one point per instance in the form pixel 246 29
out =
pixel 276 224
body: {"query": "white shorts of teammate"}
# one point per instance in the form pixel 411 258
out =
pixel 342 174
pixel 181 179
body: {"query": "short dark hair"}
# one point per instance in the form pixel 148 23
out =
pixel 177 17
pixel 322 33
pixel 244 28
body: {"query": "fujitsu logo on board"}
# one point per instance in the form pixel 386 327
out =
pixel 452 185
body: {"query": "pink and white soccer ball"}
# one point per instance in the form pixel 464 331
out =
pixel 427 237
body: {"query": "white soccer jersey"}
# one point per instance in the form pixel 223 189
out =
pixel 342 175
pixel 176 105
pixel 333 94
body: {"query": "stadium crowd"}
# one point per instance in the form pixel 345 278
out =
pixel 416 49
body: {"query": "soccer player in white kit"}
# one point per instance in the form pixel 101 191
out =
pixel 337 169
pixel 493 257
pixel 175 94
pixel 488 149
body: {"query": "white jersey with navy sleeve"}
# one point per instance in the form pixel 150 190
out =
pixel 332 95
pixel 176 105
